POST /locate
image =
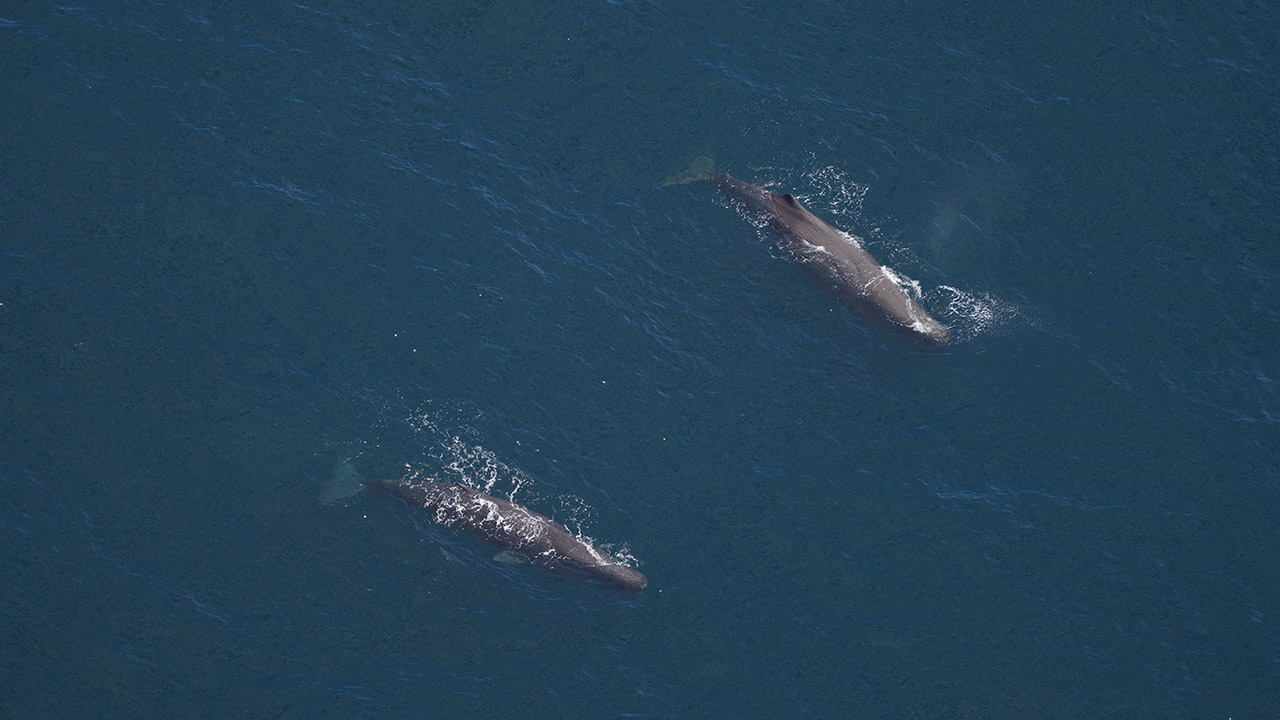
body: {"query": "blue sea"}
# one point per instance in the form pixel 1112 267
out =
pixel 242 244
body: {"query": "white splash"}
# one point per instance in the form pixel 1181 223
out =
pixel 462 460
pixel 976 314
pixel 909 286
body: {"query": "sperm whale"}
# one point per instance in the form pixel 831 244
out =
pixel 837 262
pixel 514 528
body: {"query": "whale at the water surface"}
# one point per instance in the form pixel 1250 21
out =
pixel 833 258
pixel 517 530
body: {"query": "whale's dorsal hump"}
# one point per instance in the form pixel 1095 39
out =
pixel 787 204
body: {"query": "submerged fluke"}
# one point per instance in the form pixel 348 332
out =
pixel 346 483
pixel 700 168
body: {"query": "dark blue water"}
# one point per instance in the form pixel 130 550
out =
pixel 240 244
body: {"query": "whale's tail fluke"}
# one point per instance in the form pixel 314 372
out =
pixel 346 482
pixel 699 169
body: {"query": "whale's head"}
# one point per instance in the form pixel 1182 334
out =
pixel 621 577
pixel 929 333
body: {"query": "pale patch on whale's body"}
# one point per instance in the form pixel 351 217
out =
pixel 506 557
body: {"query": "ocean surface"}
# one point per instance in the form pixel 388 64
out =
pixel 243 243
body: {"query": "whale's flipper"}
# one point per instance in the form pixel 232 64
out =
pixel 699 169
pixel 346 482
pixel 506 557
